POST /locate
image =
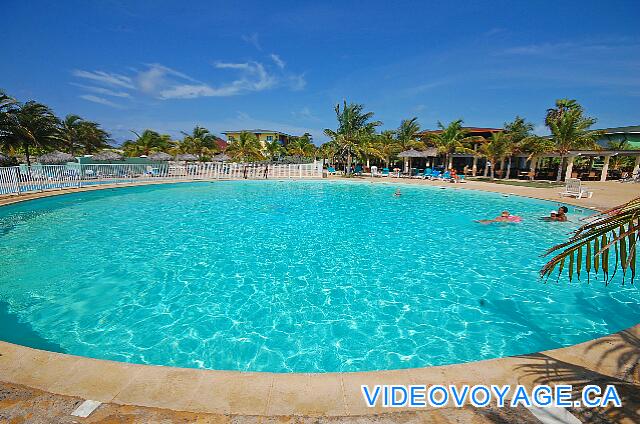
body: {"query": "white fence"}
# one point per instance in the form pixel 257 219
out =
pixel 24 179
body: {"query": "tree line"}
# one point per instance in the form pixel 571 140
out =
pixel 31 128
pixel 356 138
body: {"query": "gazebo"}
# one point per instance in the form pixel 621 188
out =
pixel 606 154
pixel 186 157
pixel 160 157
pixel 221 157
pixel 431 152
pixel 107 156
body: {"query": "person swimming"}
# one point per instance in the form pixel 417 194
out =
pixel 505 217
pixel 560 215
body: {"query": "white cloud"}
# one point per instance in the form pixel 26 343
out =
pixel 162 82
pixel 104 91
pixel 99 100
pixel 105 78
pixel 252 39
pixel 278 61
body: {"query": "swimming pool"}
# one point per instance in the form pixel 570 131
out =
pixel 295 276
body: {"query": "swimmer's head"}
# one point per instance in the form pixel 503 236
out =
pixel 505 213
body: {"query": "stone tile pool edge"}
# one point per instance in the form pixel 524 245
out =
pixel 614 357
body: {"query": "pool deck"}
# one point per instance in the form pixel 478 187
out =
pixel 36 386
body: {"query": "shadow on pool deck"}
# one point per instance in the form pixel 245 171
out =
pixel 12 330
pixel 615 355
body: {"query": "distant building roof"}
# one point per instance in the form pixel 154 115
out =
pixel 221 143
pixel 632 129
pixel 258 131
pixel 467 129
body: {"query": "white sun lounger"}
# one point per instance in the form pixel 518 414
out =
pixel 574 188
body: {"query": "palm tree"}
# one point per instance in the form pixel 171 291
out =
pixel 387 146
pixel 535 146
pixel 570 129
pixel 200 142
pixel 301 146
pixel 354 126
pixel 92 137
pixel 407 134
pixel 517 132
pixel 27 126
pixel 589 248
pixel 273 149
pixel 70 132
pixel 495 150
pixel 452 139
pixel 246 148
pixel 148 142
pixel 81 136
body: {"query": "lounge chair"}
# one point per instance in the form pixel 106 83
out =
pixel 427 173
pixel 435 175
pixel 331 170
pixel 358 170
pixel 374 171
pixel 385 172
pixel 574 188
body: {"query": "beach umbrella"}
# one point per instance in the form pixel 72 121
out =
pixel 187 157
pixel 160 156
pixel 107 156
pixel 56 158
pixel 221 157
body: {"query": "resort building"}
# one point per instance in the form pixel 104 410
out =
pixel 620 135
pixel 262 135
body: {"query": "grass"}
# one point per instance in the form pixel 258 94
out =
pixel 523 183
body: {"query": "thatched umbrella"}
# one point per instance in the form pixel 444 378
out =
pixel 107 156
pixel 56 158
pixel 221 157
pixel 160 156
pixel 410 154
pixel 187 157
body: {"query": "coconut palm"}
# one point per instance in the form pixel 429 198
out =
pixel 27 126
pixel 570 129
pixel 81 136
pixel 301 146
pixel 246 148
pixel 146 143
pixel 354 126
pixel 535 147
pixel 387 146
pixel 407 135
pixel 452 139
pixel 200 142
pixel 517 132
pixel 496 149
pixel 273 149
pixel 92 137
pixel 590 247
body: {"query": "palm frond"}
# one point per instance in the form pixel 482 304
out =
pixel 617 229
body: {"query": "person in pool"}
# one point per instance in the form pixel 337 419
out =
pixel 505 217
pixel 560 215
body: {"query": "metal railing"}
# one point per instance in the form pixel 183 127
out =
pixel 28 179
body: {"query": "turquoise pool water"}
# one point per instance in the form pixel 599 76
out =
pixel 306 276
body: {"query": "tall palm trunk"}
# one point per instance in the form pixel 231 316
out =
pixel 493 169
pixel 560 168
pixel 486 168
pixel 508 174
pixel 26 152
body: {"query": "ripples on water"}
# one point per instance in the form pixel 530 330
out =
pixel 294 276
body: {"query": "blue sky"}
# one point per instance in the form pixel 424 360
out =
pixel 168 66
